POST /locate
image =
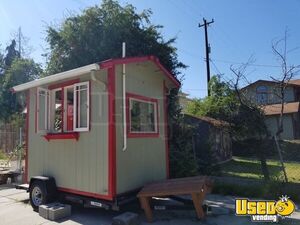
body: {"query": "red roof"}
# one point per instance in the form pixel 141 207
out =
pixel 275 109
pixel 154 59
pixel 295 82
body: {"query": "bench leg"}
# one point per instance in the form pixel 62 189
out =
pixel 198 200
pixel 145 204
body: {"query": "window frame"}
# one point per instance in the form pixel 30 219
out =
pixel 52 110
pixel 260 93
pixel 87 128
pixel 47 109
pixel 144 99
pixel 50 107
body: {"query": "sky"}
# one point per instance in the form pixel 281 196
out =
pixel 242 30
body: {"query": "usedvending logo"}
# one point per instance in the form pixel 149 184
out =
pixel 264 211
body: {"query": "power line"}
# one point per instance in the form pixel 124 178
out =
pixel 241 63
pixel 182 10
pixel 216 68
pixel 192 9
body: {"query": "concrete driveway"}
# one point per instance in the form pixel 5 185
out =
pixel 16 210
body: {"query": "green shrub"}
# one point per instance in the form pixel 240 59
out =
pixel 3 155
pixel 182 160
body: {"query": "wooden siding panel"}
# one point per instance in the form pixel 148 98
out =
pixel 79 165
pixel 145 158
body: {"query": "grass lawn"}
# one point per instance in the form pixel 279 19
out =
pixel 250 168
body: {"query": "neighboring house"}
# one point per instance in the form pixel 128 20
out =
pixel 184 100
pixel 96 134
pixel 266 94
pixel 211 133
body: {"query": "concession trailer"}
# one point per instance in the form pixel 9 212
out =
pixel 98 132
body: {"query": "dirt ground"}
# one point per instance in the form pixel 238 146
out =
pixel 16 210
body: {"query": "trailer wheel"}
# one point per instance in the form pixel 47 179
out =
pixel 37 195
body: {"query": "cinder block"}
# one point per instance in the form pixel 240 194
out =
pixel 59 211
pixel 43 211
pixel 54 211
pixel 126 218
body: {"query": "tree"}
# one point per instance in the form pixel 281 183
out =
pixel 2 67
pixel 280 50
pixel 11 54
pixel 249 119
pixel 97 34
pixel 20 71
pixel 219 105
pixel 228 103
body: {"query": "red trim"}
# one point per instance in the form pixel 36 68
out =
pixel 110 62
pixel 54 136
pixel 155 60
pixel 62 109
pixel 63 84
pixel 141 97
pixel 166 130
pixel 146 99
pixel 25 178
pixel 83 193
pixel 111 132
pixel 166 72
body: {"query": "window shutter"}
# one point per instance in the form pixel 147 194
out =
pixel 81 114
pixel 42 110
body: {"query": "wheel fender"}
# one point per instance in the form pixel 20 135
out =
pixel 49 185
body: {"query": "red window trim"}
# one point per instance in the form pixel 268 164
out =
pixel 141 134
pixel 57 136
pixel 63 84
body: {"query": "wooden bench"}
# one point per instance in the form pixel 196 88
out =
pixel 197 187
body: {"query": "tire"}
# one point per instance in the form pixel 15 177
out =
pixel 37 195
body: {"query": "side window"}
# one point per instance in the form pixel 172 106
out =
pixel 142 116
pixel 81 107
pixel 56 110
pixel 69 108
pixel 42 109
pixel 262 94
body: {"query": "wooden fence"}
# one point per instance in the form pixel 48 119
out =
pixel 10 137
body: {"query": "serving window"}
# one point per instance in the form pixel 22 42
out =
pixel 63 109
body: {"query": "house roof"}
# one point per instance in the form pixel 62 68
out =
pixel 95 66
pixel 275 109
pixel 210 120
pixel 295 82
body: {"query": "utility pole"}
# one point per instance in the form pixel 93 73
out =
pixel 207 47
